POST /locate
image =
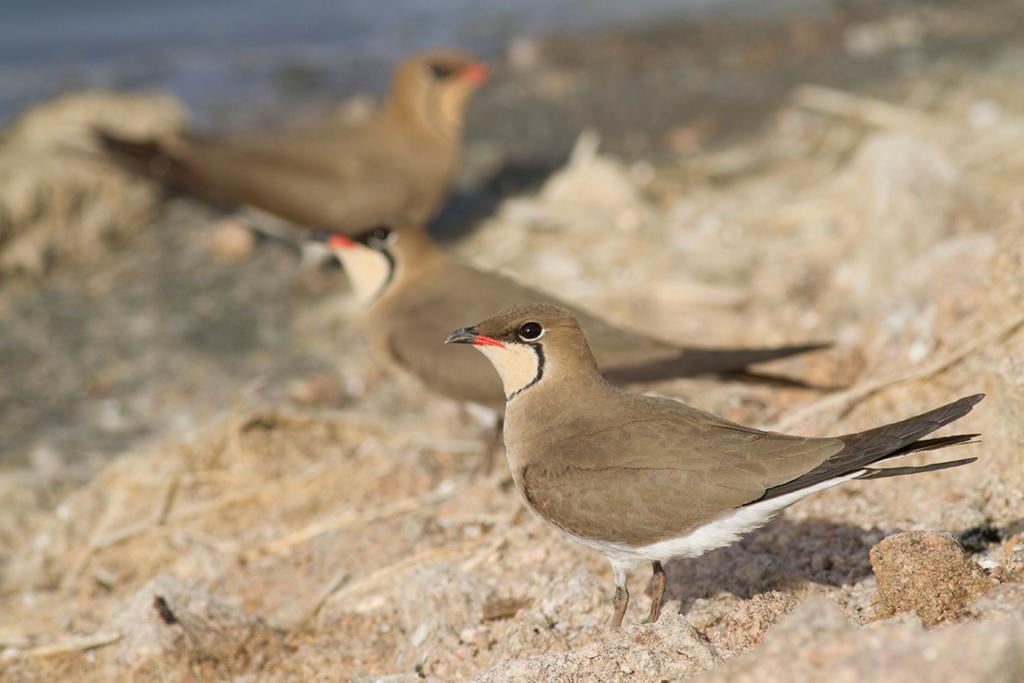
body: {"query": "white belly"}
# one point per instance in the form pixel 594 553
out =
pixel 719 533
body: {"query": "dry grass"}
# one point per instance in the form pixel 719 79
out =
pixel 57 197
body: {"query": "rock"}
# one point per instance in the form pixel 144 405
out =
pixel 911 196
pixel 524 53
pixel 1003 600
pixel 734 625
pixel 318 390
pixel 436 604
pixel 231 241
pixel 396 678
pixel 816 643
pixel 570 599
pixel 497 608
pixel 669 649
pixel 927 572
pixel 1014 567
pixel 170 625
pixel 590 188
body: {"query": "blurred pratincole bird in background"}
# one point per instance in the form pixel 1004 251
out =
pixel 397 167
pixel 415 291
pixel 642 479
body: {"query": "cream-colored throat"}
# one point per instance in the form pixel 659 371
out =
pixel 368 270
pixel 519 366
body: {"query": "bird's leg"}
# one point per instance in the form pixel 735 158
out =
pixel 494 444
pixel 494 423
pixel 269 226
pixel 657 591
pixel 621 600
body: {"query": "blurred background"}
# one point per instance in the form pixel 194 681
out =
pixel 720 172
pixel 223 57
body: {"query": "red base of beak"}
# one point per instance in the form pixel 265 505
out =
pixel 481 340
pixel 476 73
pixel 340 242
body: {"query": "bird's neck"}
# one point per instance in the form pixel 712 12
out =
pixel 423 118
pixel 416 251
pixel 370 273
pixel 563 395
pixel 415 255
pixel 535 421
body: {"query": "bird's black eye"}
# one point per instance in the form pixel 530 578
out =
pixel 442 71
pixel 380 234
pixel 530 331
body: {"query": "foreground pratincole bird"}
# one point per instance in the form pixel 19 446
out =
pixel 644 479
pixel 414 290
pixel 395 167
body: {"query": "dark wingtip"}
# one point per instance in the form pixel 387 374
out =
pixel 776 352
pixel 693 361
pixel 884 472
pixel 772 380
pixel 145 156
pixel 963 406
pixel 938 442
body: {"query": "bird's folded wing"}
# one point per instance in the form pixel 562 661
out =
pixel 628 356
pixel 611 345
pixel 300 183
pixel 663 476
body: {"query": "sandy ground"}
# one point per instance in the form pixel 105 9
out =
pixel 208 478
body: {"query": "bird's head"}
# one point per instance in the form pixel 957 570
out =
pixel 368 258
pixel 434 88
pixel 373 258
pixel 530 345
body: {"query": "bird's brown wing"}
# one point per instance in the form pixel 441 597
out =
pixel 412 322
pixel 338 179
pixel 455 294
pixel 624 356
pixel 692 361
pixel 345 185
pixel 889 441
pixel 662 467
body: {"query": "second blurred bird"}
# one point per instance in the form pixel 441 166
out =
pixel 416 293
pixel 397 167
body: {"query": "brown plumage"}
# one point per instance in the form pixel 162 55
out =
pixel 415 291
pixel 644 479
pixel 397 167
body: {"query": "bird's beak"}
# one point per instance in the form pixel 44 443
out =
pixel 468 335
pixel 476 73
pixel 331 239
pixel 463 335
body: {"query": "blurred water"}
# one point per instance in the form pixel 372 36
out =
pixel 211 52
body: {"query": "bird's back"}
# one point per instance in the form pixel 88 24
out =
pixel 346 177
